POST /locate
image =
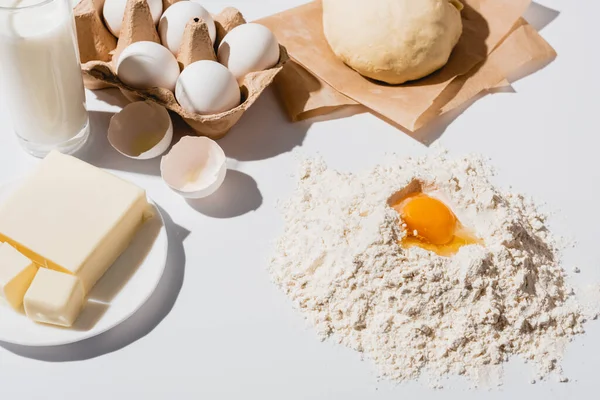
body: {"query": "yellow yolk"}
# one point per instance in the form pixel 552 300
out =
pixel 430 224
pixel 428 218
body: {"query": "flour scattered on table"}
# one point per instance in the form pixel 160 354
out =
pixel 342 261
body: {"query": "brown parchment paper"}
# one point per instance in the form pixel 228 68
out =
pixel 306 96
pixel 485 24
pixel 523 51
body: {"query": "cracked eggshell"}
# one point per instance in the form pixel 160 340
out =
pixel 173 22
pixel 114 10
pixel 195 167
pixel 142 130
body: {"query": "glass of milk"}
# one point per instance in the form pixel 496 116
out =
pixel 41 75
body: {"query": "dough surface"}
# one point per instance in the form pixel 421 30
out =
pixel 393 41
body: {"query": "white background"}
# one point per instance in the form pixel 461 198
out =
pixel 218 329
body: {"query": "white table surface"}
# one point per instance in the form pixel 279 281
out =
pixel 218 329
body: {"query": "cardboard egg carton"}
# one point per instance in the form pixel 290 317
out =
pixel 99 50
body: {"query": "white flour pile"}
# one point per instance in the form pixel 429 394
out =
pixel 409 310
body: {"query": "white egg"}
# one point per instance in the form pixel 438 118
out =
pixel 144 65
pixel 195 167
pixel 173 22
pixel 142 130
pixel 249 48
pixel 113 11
pixel 207 87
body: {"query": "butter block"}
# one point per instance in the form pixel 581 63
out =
pixel 73 217
pixel 54 298
pixel 16 274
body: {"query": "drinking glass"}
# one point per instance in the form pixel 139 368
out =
pixel 41 73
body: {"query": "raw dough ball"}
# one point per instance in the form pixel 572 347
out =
pixel 393 41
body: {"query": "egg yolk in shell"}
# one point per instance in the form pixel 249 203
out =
pixel 430 224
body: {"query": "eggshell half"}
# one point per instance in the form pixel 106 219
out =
pixel 248 48
pixel 173 22
pixel 113 11
pixel 195 167
pixel 144 65
pixel 142 130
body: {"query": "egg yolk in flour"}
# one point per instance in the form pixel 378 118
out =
pixel 431 225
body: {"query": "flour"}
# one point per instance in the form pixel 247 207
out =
pixel 411 311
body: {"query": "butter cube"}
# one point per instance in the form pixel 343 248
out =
pixel 73 217
pixel 16 274
pixel 54 298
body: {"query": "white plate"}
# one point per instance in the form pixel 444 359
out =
pixel 118 295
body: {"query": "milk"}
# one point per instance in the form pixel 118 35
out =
pixel 39 64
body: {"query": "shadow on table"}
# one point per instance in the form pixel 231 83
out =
pixel 239 195
pixel 435 129
pixel 263 132
pixel 540 16
pixel 140 324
